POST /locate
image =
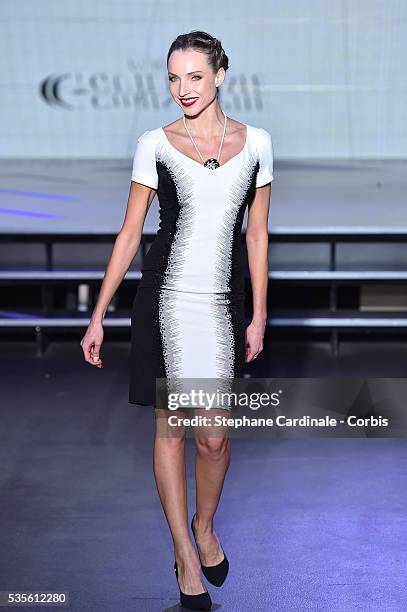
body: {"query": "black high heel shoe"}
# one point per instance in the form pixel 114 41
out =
pixel 215 574
pixel 202 601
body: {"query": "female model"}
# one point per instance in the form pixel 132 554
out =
pixel 188 315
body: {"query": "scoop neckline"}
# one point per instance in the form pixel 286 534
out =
pixel 194 161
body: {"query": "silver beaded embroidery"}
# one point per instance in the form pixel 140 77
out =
pixel 225 354
pixel 169 324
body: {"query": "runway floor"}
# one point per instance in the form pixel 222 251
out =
pixel 308 525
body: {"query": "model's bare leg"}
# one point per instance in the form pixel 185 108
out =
pixel 170 477
pixel 211 464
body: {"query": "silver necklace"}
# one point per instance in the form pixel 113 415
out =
pixel 212 162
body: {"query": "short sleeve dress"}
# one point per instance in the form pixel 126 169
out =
pixel 188 318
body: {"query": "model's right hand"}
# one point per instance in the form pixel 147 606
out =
pixel 92 342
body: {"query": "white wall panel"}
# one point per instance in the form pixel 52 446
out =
pixel 326 77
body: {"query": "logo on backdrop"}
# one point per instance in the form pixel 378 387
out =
pixel 137 89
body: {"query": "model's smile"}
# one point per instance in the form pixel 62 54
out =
pixel 188 101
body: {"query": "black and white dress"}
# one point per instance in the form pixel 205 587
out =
pixel 188 318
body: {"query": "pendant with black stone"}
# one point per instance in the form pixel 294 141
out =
pixel 212 163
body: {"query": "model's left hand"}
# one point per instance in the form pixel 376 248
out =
pixel 254 340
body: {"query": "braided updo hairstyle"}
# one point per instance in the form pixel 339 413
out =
pixel 204 42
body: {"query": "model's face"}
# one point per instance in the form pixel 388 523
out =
pixel 190 76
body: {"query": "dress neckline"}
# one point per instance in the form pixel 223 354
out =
pixel 194 161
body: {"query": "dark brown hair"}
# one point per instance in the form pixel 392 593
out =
pixel 204 42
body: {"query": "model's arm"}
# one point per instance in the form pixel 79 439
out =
pixel 124 250
pixel 257 241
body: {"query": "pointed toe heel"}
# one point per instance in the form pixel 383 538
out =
pixel 193 602
pixel 215 574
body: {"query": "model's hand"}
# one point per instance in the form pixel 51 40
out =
pixel 91 343
pixel 254 340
